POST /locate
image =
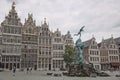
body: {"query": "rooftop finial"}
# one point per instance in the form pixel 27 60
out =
pixel 102 38
pixel 112 35
pixel 41 22
pixel 93 35
pixel 28 14
pixel 57 29
pixel 68 32
pixel 44 20
pixel 13 4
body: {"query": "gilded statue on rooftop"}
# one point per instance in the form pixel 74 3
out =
pixel 13 4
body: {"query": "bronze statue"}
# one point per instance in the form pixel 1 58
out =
pixel 80 66
pixel 80 45
pixel 79 33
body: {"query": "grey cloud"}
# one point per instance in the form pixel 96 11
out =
pixel 99 16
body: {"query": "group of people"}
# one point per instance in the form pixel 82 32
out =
pixel 28 70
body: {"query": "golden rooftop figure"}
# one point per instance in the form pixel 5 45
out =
pixel 13 4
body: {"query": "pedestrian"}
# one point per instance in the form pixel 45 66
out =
pixel 30 69
pixel 27 70
pixel 14 70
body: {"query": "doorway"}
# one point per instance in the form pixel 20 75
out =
pixel 49 66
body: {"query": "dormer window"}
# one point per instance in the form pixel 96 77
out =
pixel 30 30
pixel 57 35
pixel 110 46
pixel 15 16
pixel 114 46
pixel 68 36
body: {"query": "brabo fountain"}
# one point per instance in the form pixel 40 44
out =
pixel 80 67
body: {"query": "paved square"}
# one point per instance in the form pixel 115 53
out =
pixel 41 75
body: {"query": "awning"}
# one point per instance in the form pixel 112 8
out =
pixel 115 64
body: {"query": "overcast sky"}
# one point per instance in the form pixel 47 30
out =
pixel 101 18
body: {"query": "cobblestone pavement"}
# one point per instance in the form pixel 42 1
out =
pixel 41 75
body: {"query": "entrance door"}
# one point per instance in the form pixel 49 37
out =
pixel 49 66
pixel 10 66
pixel 35 67
pixel 6 65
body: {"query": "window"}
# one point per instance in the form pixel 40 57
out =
pixel 7 58
pixel 110 46
pixel 57 35
pixel 28 38
pixel 40 34
pixel 90 58
pixel 12 30
pixel 93 42
pixel 30 30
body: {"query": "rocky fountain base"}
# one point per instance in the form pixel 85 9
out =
pixel 83 70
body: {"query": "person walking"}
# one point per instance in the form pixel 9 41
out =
pixel 30 69
pixel 27 70
pixel 14 70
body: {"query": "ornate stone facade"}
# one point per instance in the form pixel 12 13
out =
pixel 29 45
pixel 94 54
pixel 104 58
pixel 106 53
pixel 113 54
pixel 11 40
pixel 44 47
pixel 58 50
